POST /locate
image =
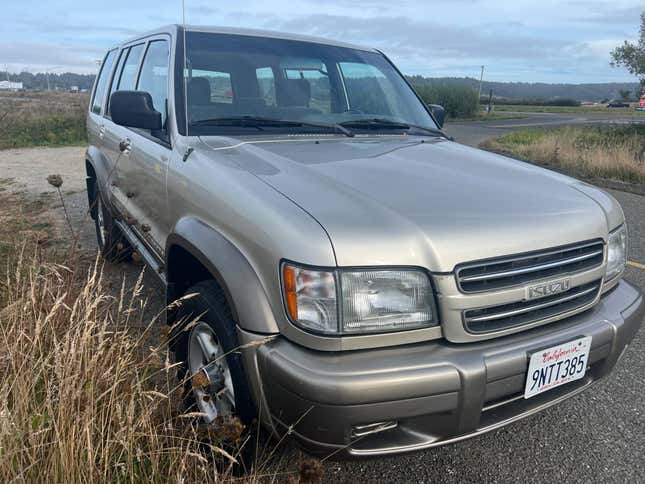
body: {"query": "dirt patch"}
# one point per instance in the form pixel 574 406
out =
pixel 36 208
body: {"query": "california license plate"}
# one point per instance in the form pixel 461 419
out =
pixel 558 365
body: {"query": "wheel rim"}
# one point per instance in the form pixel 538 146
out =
pixel 100 220
pixel 206 356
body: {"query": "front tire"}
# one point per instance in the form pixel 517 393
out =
pixel 209 347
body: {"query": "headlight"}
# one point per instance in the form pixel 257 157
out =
pixel 353 301
pixel 616 252
pixel 310 297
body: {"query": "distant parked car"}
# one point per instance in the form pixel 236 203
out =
pixel 617 104
pixel 641 104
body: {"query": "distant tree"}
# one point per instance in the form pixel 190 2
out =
pixel 632 55
pixel 624 94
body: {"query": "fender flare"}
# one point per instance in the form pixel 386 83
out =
pixel 245 294
pixel 90 181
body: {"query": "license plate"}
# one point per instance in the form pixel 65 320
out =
pixel 558 365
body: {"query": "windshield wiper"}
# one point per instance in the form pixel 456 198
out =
pixel 259 122
pixel 379 123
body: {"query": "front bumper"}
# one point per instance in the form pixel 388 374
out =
pixel 436 392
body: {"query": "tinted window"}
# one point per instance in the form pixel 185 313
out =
pixel 101 82
pixel 117 74
pixel 128 77
pixel 211 86
pixel 154 75
pixel 319 87
pixel 369 90
pixel 237 76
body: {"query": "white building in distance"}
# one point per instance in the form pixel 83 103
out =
pixel 10 86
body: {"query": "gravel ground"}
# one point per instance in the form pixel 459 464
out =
pixel 598 436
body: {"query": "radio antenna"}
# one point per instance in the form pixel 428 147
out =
pixel 183 22
pixel 189 150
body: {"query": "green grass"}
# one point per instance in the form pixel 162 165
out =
pixel 601 109
pixel 52 130
pixel 482 116
pixel 42 119
pixel 616 153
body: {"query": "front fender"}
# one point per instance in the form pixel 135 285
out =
pixel 244 292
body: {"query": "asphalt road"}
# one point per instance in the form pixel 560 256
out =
pixel 474 132
pixel 598 436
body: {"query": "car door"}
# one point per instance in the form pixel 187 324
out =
pixel 144 174
pixel 115 136
pixel 95 119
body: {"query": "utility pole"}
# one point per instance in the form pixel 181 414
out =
pixel 481 78
pixel 6 70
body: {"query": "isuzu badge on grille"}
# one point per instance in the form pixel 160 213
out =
pixel 547 288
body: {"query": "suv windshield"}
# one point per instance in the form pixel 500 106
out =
pixel 244 84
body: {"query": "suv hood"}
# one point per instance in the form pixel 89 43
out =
pixel 397 200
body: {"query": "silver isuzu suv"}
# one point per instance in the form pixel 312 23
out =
pixel 350 273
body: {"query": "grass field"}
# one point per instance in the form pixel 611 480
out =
pixel 616 153
pixel 600 109
pixel 42 119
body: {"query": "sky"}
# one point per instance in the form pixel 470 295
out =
pixel 530 41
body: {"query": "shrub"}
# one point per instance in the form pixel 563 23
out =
pixel 533 102
pixel 458 101
pixel 606 152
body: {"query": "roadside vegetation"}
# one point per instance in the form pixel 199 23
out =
pixel 585 109
pixel 88 390
pixel 616 153
pixel 458 101
pixel 42 119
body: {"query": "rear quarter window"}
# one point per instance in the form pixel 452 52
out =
pixel 101 82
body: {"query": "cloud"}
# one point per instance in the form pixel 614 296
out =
pixel 47 57
pixel 549 40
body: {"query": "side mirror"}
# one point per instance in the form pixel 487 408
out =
pixel 134 109
pixel 438 113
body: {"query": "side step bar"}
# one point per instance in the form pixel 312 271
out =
pixel 150 260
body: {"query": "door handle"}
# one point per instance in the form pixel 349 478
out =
pixel 125 146
pixel 101 131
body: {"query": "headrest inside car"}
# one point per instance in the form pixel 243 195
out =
pixel 199 91
pixel 294 92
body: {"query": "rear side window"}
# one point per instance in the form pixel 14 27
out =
pixel 101 82
pixel 128 77
pixel 266 85
pixel 154 75
pixel 316 84
pixel 206 86
pixel 117 74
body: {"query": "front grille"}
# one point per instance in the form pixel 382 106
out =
pixel 495 318
pixel 517 270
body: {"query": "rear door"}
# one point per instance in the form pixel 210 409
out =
pixel 95 119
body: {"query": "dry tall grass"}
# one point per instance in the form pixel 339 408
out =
pixel 83 397
pixel 615 153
